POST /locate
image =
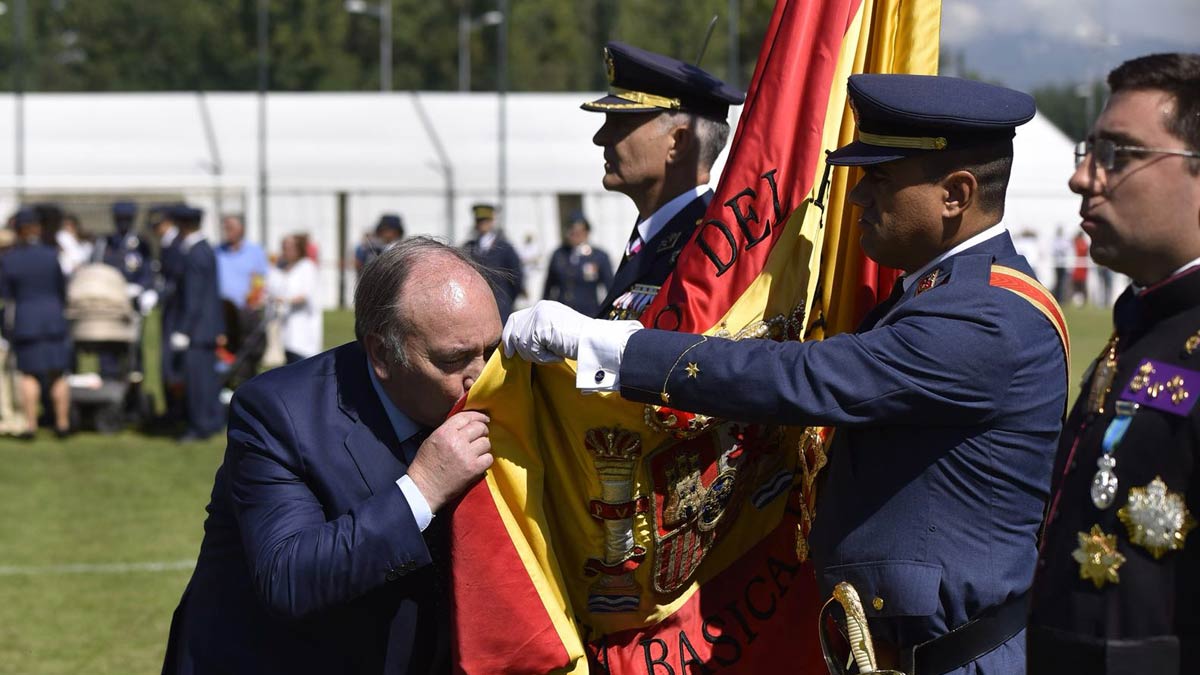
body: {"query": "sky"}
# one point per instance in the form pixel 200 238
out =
pixel 1024 43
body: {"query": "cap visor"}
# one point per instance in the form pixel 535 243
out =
pixel 616 104
pixel 861 154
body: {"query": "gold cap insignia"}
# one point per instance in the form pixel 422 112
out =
pixel 609 67
pixel 1098 557
pixel 1157 519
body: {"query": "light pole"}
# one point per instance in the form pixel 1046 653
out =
pixel 466 24
pixel 502 89
pixel 383 12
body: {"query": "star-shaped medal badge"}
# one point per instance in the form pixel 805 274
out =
pixel 692 370
pixel 1098 557
pixel 1157 519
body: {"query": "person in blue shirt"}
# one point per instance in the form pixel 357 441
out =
pixel 34 289
pixel 241 273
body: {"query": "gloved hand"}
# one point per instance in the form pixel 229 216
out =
pixel 147 300
pixel 179 341
pixel 545 333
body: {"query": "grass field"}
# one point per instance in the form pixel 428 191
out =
pixel 98 535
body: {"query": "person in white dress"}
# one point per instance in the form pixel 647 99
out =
pixel 295 289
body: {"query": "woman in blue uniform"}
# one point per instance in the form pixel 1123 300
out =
pixel 35 291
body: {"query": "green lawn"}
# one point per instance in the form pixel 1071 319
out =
pixel 71 513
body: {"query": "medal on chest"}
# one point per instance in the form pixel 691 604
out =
pixel 1103 372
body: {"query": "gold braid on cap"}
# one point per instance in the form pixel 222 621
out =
pixel 914 142
pixel 646 99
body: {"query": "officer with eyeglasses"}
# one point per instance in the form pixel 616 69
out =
pixel 1117 589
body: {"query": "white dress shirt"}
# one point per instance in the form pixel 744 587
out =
pixel 654 224
pixel 405 429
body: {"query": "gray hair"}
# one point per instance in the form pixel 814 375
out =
pixel 377 297
pixel 711 135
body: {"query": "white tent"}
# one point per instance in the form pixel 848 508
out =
pixel 428 156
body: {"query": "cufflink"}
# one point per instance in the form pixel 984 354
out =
pixel 599 376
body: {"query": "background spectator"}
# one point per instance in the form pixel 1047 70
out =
pixel 33 285
pixel 579 275
pixel 295 289
pixel 242 274
pixel 74 244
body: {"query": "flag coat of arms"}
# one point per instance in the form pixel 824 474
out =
pixel 614 537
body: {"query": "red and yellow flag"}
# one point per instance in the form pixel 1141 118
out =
pixel 623 538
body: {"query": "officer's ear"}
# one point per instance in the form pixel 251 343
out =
pixel 682 146
pixel 960 190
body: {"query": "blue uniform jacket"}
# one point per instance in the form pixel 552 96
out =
pixel 130 254
pixel 171 268
pixel 200 315
pixel 507 276
pixel 650 267
pixel 312 561
pixel 947 410
pixel 33 283
pixel 574 278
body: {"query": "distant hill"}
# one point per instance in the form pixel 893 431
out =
pixel 1027 60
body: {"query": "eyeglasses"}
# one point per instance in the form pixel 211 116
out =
pixel 1105 152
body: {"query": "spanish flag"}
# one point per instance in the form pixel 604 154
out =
pixel 613 537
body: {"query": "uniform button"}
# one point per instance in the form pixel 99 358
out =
pixel 877 603
pixel 599 376
pixel 392 575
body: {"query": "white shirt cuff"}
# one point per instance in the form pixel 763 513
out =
pixel 416 502
pixel 600 350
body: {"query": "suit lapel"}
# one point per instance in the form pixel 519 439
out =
pixel 669 240
pixel 372 441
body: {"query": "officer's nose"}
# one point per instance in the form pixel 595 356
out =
pixel 1087 178
pixel 860 195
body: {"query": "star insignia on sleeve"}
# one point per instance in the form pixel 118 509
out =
pixel 692 370
pixel 1098 557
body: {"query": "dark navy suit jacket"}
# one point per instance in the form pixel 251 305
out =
pixel 655 261
pixel 32 281
pixel 200 315
pixel 171 264
pixel 947 411
pixel 507 276
pixel 312 561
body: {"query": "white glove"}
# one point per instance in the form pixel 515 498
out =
pixel 179 341
pixel 147 300
pixel 545 333
pixel 133 290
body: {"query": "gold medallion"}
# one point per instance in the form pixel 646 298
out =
pixel 1157 519
pixel 1098 557
pixel 1103 372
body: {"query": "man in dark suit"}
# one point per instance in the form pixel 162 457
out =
pixel 1117 590
pixel 664 126
pixel 948 398
pixel 200 321
pixel 325 547
pixel 492 250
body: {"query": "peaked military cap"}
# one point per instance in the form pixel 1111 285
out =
pixel 24 216
pixel 183 214
pixel 906 115
pixel 124 209
pixel 484 211
pixel 642 81
pixel 390 221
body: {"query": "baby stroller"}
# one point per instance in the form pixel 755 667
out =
pixel 105 324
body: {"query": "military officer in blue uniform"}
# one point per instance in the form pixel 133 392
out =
pixel 161 221
pixel 129 253
pixel 1118 585
pixel 948 399
pixel 199 323
pixel 492 250
pixel 578 272
pixel 664 126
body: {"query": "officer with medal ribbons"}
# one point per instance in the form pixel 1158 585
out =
pixel 1118 583
pixel 947 400
pixel 129 253
pixel 664 127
